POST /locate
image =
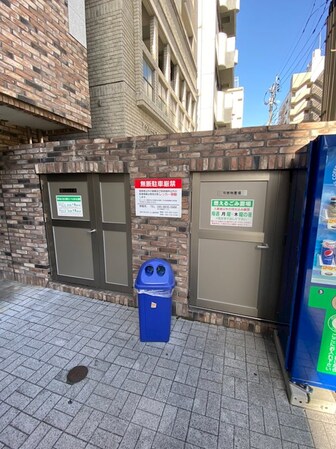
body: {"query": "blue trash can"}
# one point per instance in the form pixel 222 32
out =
pixel 155 283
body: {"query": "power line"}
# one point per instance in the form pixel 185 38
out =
pixel 297 62
pixel 312 12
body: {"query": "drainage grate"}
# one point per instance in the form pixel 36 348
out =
pixel 77 374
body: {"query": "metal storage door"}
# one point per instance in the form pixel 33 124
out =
pixel 237 241
pixel 89 230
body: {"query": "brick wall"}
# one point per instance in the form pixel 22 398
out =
pixel 175 155
pixel 42 64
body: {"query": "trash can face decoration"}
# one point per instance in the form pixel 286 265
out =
pixel 155 283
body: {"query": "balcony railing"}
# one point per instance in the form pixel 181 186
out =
pixel 227 55
pixel 229 107
pixel 229 5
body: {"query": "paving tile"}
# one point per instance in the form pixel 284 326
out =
pixel 18 400
pixel 204 423
pixel 91 425
pixel 146 419
pixel 145 439
pixel 259 441
pixel 256 418
pixel 68 441
pixel 50 439
pixel 133 387
pixel 271 421
pixel 242 438
pixel 234 418
pixel 261 395
pixel 183 389
pixel 201 439
pixel 79 420
pixel 168 419
pixel 320 437
pixel 151 406
pixel 296 436
pixel 25 423
pixel 131 437
pixel 226 436
pixel 8 415
pixel 12 437
pixel 166 442
pixel 130 406
pixel 114 425
pixel 181 425
pixel 180 401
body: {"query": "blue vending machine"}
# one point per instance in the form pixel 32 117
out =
pixel 306 338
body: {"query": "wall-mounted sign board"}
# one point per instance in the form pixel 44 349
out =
pixel 158 197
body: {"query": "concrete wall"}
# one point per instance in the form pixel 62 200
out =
pixel 175 155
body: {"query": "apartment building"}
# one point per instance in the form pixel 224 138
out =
pixel 142 66
pixel 220 100
pixel 304 101
pixel 43 78
pixel 329 82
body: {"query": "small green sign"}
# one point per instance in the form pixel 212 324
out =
pixel 325 298
pixel 232 212
pixel 69 205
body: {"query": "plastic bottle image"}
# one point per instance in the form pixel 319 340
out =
pixel 332 207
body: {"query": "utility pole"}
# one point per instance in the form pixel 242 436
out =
pixel 271 101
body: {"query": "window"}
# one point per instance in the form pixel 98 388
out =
pixel 76 14
pixel 162 91
pixel 148 76
pixel 145 27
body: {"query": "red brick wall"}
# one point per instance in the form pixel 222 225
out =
pixel 41 63
pixel 175 155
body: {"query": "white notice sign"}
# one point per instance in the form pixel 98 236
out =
pixel 158 197
pixel 238 213
pixel 69 205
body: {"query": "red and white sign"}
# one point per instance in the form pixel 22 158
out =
pixel 158 197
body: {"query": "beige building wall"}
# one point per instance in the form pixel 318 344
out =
pixel 220 100
pixel 126 97
pixel 329 83
pixel 304 100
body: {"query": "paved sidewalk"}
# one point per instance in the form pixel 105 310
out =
pixel 209 387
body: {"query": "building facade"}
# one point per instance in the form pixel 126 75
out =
pixel 329 82
pixel 304 100
pixel 43 79
pixel 142 66
pixel 220 101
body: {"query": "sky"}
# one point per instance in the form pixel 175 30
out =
pixel 275 38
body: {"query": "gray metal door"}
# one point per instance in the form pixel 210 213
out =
pixel 89 230
pixel 238 224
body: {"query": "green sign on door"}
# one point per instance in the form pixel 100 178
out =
pixel 325 298
pixel 69 205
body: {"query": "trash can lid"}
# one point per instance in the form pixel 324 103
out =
pixel 155 274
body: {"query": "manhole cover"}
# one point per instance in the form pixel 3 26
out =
pixel 77 374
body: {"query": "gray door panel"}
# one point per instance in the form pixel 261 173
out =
pixel 113 202
pixel 115 254
pixel 73 248
pixel 228 275
pixel 89 230
pixel 236 251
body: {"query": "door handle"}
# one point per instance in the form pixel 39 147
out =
pixel 92 230
pixel 263 246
